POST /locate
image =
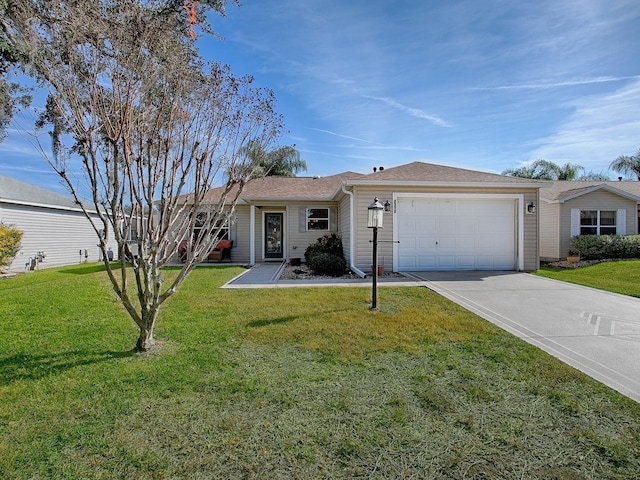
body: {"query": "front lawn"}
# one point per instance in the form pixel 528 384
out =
pixel 622 276
pixel 289 383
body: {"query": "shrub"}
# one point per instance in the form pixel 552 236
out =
pixel 598 247
pixel 10 238
pixel 327 264
pixel 330 243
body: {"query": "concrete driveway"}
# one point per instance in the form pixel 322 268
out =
pixel 594 331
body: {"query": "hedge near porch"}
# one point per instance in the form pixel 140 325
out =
pixel 599 247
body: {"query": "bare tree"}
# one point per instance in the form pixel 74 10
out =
pixel 152 129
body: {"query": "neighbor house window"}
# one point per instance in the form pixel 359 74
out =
pixel 317 219
pixel 598 222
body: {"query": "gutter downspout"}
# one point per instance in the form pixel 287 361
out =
pixel 352 228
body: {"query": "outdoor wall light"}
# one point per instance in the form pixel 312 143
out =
pixel 531 207
pixel 387 206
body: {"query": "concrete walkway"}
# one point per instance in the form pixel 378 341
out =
pixel 266 275
pixel 594 331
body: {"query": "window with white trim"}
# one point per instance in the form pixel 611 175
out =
pixel 598 222
pixel 201 222
pixel 317 219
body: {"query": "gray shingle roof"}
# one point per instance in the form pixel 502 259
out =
pixel 16 191
pixel 562 190
pixel 324 188
pixel 429 172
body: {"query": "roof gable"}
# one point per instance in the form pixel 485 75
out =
pixel 562 191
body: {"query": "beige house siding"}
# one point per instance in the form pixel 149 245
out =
pixel 598 200
pixel 531 232
pixel 365 195
pixel 61 234
pixel 299 238
pixel 240 234
pixel 344 226
pixel 549 231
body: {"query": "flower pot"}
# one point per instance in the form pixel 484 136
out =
pixel 573 258
pixel 380 270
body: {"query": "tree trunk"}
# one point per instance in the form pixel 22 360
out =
pixel 145 340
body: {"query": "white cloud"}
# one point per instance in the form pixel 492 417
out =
pixel 601 128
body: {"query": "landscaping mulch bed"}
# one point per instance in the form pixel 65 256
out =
pixel 581 263
pixel 303 272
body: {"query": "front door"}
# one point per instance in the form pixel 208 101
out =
pixel 273 235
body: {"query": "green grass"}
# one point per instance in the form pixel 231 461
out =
pixel 622 276
pixel 289 383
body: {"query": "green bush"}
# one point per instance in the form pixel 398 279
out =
pixel 327 264
pixel 598 247
pixel 330 243
pixel 10 238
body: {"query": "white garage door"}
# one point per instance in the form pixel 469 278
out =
pixel 456 234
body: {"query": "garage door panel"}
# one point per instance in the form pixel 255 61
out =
pixel 456 234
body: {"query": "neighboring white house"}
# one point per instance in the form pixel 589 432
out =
pixel 55 231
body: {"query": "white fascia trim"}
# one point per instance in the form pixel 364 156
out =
pixel 352 228
pixel 44 205
pixel 519 197
pixel 404 183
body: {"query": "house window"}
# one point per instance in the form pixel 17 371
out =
pixel 201 222
pixel 317 219
pixel 597 222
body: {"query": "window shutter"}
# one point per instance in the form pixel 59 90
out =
pixel 302 219
pixel 333 219
pixel 621 222
pixel 575 222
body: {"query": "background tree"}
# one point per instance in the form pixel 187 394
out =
pixel 151 128
pixel 627 165
pixel 283 161
pixel 545 170
pixel 592 176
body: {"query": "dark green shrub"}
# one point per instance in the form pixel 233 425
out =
pixel 327 264
pixel 330 243
pixel 10 238
pixel 598 247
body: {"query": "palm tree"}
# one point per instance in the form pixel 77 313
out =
pixel 627 165
pixel 569 171
pixel 283 161
pixel 545 170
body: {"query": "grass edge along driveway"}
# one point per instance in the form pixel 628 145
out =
pixel 289 383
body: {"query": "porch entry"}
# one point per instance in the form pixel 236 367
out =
pixel 273 235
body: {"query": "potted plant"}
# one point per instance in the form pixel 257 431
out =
pixel 573 256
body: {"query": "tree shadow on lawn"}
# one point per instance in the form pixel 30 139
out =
pixel 85 270
pixel 271 321
pixel 34 367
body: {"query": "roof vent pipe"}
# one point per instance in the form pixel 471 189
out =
pixel 375 169
pixel 381 169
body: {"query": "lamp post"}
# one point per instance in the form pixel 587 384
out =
pixel 375 218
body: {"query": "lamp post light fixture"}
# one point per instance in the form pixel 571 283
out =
pixel 375 220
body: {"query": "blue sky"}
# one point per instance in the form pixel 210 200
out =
pixel 479 84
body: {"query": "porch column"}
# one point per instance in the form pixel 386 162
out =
pixel 252 235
